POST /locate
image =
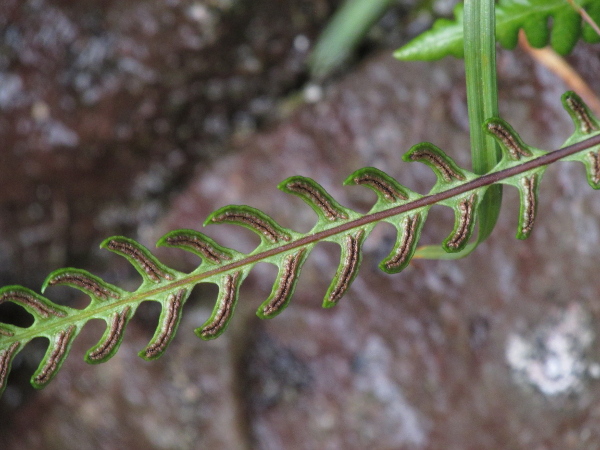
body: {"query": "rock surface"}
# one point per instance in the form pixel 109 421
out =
pixel 496 350
pixel 106 106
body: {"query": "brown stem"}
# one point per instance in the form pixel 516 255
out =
pixel 484 180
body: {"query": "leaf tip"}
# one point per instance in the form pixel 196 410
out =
pixel 105 243
pixel 210 218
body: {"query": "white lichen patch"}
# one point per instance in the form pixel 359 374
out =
pixel 552 357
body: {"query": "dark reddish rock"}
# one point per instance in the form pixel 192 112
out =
pixel 493 351
pixel 497 350
pixel 106 107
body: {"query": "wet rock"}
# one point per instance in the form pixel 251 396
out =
pixel 273 374
pixel 192 410
pixel 106 107
pixel 493 351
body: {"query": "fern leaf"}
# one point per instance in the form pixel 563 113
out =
pixel 151 270
pixel 388 190
pixel 168 323
pixel 348 268
pixel 95 287
pixel 60 344
pixel 253 219
pixel 317 198
pixel 197 243
pixel 409 231
pixel 284 286
pixel 527 184
pixel 228 296
pixel 112 338
pixel 586 125
pixel 522 166
pixel 446 36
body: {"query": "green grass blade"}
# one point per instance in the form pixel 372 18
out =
pixel 346 29
pixel 482 101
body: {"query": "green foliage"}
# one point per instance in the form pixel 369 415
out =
pixel 343 33
pixel 521 166
pixel 482 103
pixel 533 16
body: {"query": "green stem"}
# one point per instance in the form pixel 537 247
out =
pixel 482 101
pixel 344 32
pixel 479 24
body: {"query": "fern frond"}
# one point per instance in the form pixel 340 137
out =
pixel 446 36
pixel 521 166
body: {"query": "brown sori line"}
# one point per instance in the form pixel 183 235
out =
pixel 174 304
pixel 290 272
pixel 445 169
pixel 595 160
pixel 5 358
pixel 263 227
pixel 350 266
pixel 389 192
pixel 530 203
pixel 515 149
pixel 60 347
pixel 151 269
pixel 225 306
pixel 117 326
pixel 408 237
pixel 5 332
pixel 85 283
pixel 320 200
pixel 464 222
pixel 29 300
pixel 207 250
pixel 585 121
